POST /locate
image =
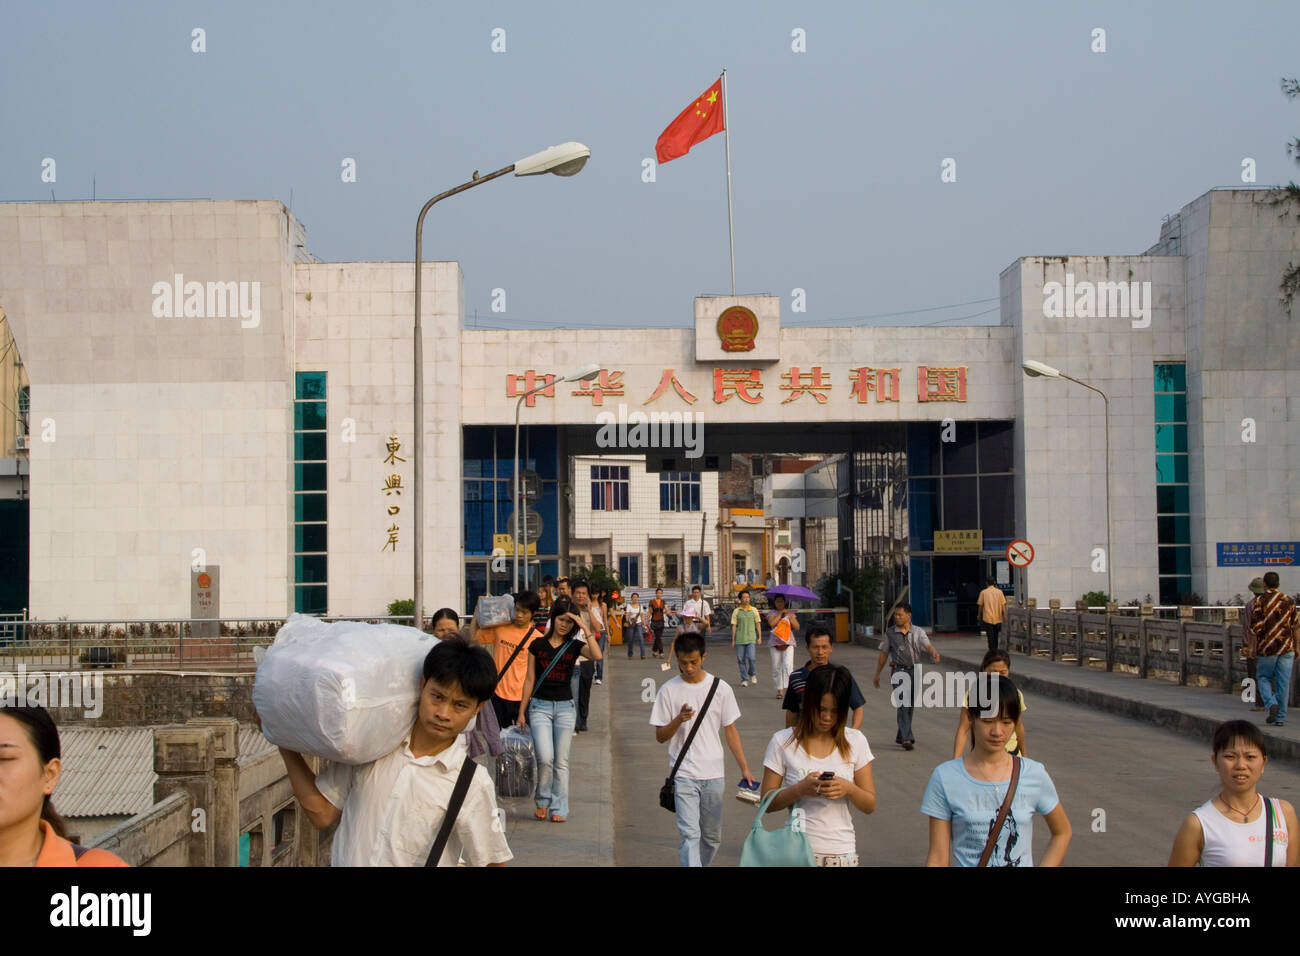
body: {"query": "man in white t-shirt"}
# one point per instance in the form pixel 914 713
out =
pixel 696 613
pixel 700 782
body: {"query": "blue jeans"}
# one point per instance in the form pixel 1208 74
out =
pixel 552 725
pixel 699 819
pixel 745 657
pixel 903 697
pixel 1273 675
pixel 600 664
pixel 635 637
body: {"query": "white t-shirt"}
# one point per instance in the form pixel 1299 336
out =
pixel 700 612
pixel 705 760
pixel 827 822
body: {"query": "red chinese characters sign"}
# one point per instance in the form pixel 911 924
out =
pixel 934 384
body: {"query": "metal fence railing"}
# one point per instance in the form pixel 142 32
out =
pixel 161 643
pixel 1182 647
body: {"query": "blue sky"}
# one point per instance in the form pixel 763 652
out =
pixel 836 151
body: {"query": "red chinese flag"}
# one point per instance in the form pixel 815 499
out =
pixel 693 125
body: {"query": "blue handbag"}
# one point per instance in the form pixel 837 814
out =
pixel 784 847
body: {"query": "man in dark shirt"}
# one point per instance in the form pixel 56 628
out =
pixel 818 640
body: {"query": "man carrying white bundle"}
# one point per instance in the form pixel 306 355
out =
pixel 392 811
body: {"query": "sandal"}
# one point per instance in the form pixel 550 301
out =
pixel 556 818
pixel 540 813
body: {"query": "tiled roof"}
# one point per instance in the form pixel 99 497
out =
pixel 109 772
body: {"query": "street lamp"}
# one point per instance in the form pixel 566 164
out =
pixel 1038 369
pixel 586 373
pixel 563 160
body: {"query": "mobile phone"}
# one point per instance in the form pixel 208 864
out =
pixel 828 775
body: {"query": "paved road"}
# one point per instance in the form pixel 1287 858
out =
pixel 1142 779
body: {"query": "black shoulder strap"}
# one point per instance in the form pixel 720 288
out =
pixel 1268 837
pixel 695 727
pixel 518 647
pixel 467 770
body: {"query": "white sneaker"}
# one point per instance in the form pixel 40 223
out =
pixel 744 683
pixel 597 680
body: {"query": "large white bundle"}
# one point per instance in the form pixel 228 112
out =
pixel 345 691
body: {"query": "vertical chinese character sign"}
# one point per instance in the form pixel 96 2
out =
pixel 392 490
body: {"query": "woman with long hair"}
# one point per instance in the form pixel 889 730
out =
pixel 996 661
pixel 823 766
pixel 31 831
pixel 1230 829
pixel 965 795
pixel 548 706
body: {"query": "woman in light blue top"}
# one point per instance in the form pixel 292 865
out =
pixel 964 795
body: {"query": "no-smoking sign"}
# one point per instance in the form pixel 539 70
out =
pixel 1020 553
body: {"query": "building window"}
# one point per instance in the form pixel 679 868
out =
pixel 702 575
pixel 679 491
pixel 1173 492
pixel 664 569
pixel 629 570
pixel 310 529
pixel 25 408
pixel 609 485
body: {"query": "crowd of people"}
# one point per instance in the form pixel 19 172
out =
pixel 536 673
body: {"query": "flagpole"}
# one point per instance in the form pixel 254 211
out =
pixel 731 229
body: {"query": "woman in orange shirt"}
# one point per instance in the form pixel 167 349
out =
pixel 31 832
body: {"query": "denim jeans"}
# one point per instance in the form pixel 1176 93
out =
pixel 745 657
pixel 552 725
pixel 600 664
pixel 903 698
pixel 699 819
pixel 635 637
pixel 1273 675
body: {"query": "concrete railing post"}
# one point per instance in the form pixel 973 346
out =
pixel 223 814
pixel 1055 605
pixel 1231 616
pixel 1185 616
pixel 184 759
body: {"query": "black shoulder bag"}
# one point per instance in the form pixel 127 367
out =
pixel 453 810
pixel 518 647
pixel 1268 838
pixel 668 793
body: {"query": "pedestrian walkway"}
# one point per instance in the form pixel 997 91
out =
pixel 586 838
pixel 1194 711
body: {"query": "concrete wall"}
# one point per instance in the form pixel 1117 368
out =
pixel 1060 432
pixel 1243 362
pixel 169 434
pixel 358 327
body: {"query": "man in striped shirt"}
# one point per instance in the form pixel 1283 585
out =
pixel 1273 625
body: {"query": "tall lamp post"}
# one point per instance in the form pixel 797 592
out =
pixel 586 373
pixel 1036 369
pixel 563 160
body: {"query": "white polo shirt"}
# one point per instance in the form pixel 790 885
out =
pixel 393 809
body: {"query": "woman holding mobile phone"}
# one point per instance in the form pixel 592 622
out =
pixel 823 767
pixel 549 707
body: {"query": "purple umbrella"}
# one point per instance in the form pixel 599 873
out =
pixel 793 592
